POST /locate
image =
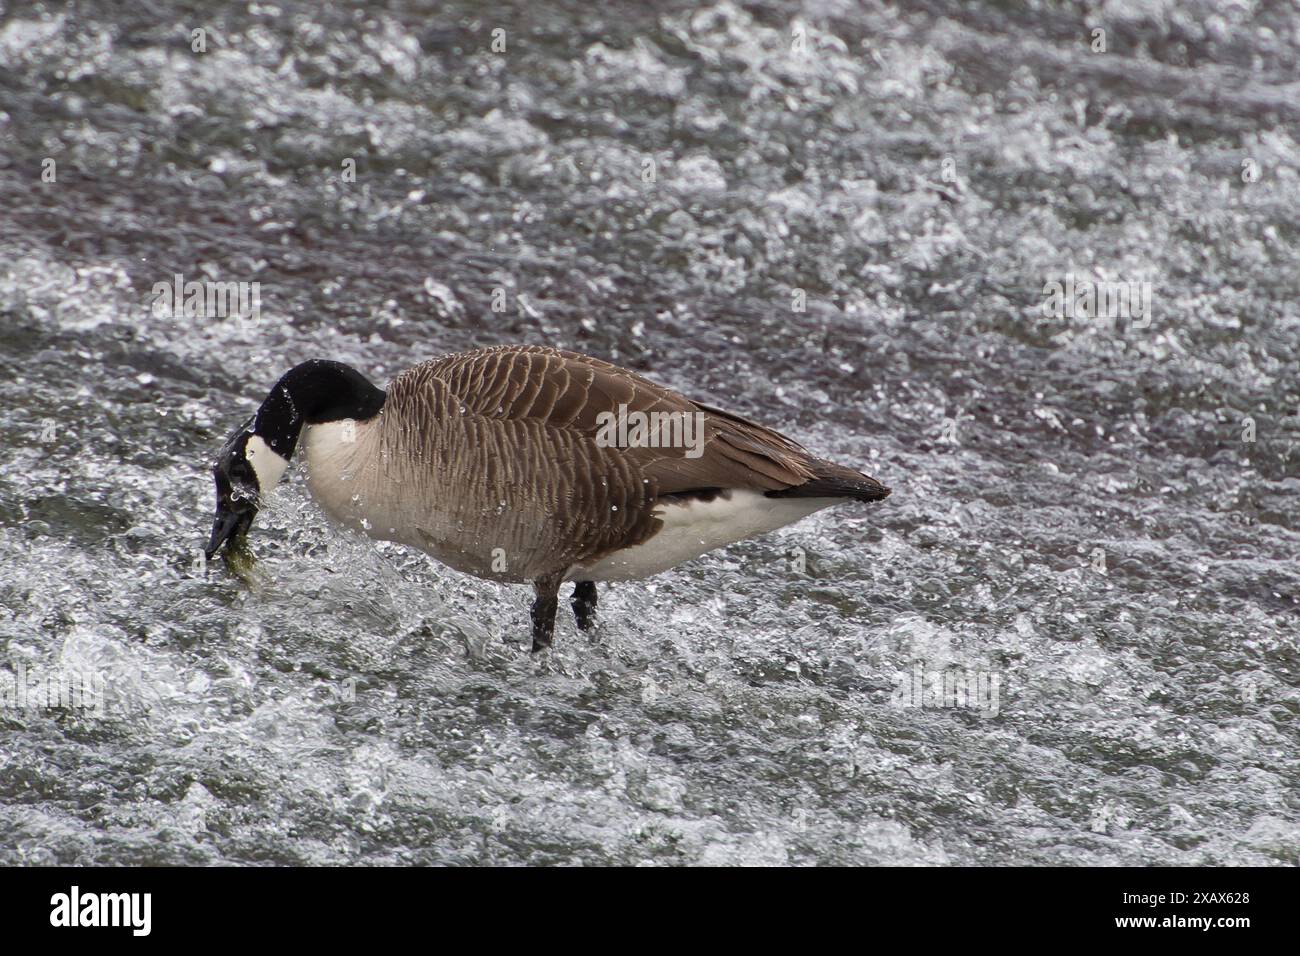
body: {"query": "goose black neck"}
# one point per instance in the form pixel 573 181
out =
pixel 314 392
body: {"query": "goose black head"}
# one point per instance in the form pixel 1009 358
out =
pixel 256 454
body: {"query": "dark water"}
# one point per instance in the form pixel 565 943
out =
pixel 1080 520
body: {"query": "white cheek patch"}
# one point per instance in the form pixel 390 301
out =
pixel 267 464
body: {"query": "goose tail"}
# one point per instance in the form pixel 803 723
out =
pixel 835 481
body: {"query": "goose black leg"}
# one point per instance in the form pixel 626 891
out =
pixel 548 599
pixel 584 604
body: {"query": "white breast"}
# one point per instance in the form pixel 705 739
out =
pixel 694 526
pixel 358 488
pixel 343 475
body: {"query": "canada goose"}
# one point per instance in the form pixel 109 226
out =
pixel 526 464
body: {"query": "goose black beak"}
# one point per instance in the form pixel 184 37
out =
pixel 229 525
pixel 236 493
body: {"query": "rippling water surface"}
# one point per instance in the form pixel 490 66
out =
pixel 1093 520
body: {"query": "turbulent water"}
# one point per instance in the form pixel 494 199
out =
pixel 840 218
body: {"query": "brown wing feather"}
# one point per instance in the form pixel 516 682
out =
pixel 567 390
pixel 538 408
